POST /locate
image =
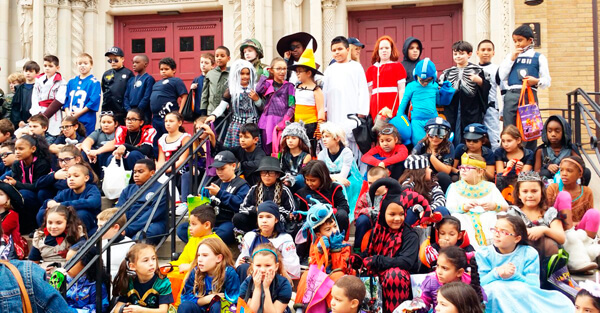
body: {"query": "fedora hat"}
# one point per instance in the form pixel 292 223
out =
pixel 269 164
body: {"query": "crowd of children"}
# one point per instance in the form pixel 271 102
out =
pixel 456 199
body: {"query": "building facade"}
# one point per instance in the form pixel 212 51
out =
pixel 183 29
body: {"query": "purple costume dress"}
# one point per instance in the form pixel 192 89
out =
pixel 431 284
pixel 279 107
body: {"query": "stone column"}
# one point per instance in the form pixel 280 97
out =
pixel 292 16
pixel 77 31
pixel 26 27
pixel 50 26
pixel 483 20
pixel 237 28
pixel 90 18
pixel 328 26
pixel 500 32
pixel 249 19
pixel 64 38
pixel 316 29
pixel 4 8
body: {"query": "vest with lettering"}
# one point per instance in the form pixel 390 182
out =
pixel 529 66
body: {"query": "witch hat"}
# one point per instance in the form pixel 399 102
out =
pixel 307 59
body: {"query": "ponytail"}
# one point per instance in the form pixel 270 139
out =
pixel 475 276
pixel 80 126
pixel 121 282
pixel 39 142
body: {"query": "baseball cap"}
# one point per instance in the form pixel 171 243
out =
pixel 115 51
pixel 356 42
pixel 223 158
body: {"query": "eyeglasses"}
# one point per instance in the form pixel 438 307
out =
pixel 5 154
pixel 294 47
pixel 66 160
pixel 280 69
pixel 65 127
pixel 109 113
pixel 131 119
pixel 268 173
pixel 466 167
pixel 502 232
pixel 112 61
pixel 387 131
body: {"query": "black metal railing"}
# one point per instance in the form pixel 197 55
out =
pixel 584 111
pixel 95 241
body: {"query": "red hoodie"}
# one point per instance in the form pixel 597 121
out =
pixel 397 155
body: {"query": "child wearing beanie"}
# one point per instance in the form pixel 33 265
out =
pixel 418 177
pixel 294 153
pixel 270 229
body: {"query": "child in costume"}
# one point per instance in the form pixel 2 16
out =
pixel 417 176
pixel 389 152
pixel 510 272
pixel 270 230
pixel 252 51
pixel 241 99
pixel 446 233
pixel 294 154
pixel 279 102
pixel 453 264
pixel 391 254
pixel 475 201
pixel 139 284
pixel 328 258
pixel 422 93
pixel 476 141
pixel 340 162
pixel 439 149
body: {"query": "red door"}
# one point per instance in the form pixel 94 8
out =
pixel 182 37
pixel 437 27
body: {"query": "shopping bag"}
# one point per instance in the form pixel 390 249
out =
pixel 363 136
pixel 188 108
pixel 373 302
pixel 116 178
pixel 529 119
pixel 559 275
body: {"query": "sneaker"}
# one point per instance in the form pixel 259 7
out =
pixel 181 209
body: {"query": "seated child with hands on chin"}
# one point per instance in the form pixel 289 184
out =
pixel 139 285
pixel 268 288
pixel 212 286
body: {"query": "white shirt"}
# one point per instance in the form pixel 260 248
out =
pixel 346 92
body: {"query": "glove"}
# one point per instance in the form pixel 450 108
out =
pixel 326 242
pixel 336 241
pixel 431 255
pixel 371 263
pixel 355 261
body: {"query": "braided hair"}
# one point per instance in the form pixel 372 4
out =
pixel 458 257
pixel 259 192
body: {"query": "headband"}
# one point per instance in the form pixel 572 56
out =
pixel 574 162
pixel 592 287
pixel 268 250
pixel 467 160
pixel 529 176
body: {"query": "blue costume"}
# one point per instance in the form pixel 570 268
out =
pixel 521 292
pixel 158 224
pixel 189 300
pixel 84 93
pixel 82 296
pixel 87 204
pixel 423 99
pixel 137 95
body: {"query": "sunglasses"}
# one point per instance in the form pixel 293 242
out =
pixel 472 140
pixel 437 132
pixel 112 61
pixel 109 113
pixel 268 173
pixel 294 47
pixel 65 127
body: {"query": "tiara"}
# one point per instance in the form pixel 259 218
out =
pixel 529 176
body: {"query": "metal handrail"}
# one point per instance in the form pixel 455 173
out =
pixel 587 114
pixel 95 241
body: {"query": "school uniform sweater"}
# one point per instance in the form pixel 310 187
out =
pixel 160 216
pixel 89 200
pixel 137 95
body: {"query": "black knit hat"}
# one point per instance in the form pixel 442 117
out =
pixel 523 30
pixel 271 208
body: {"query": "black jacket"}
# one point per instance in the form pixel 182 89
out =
pixel 409 65
pixel 114 84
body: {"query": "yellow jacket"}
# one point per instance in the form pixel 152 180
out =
pixel 190 249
